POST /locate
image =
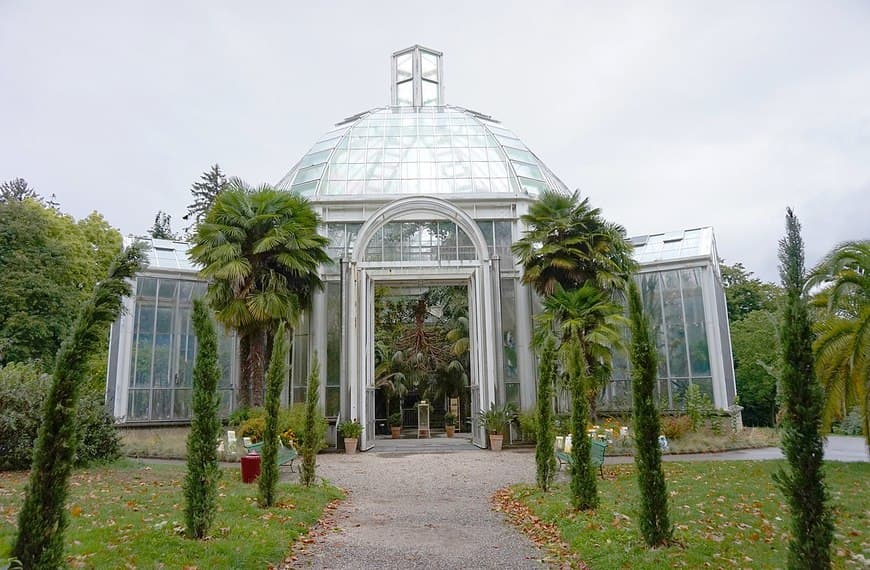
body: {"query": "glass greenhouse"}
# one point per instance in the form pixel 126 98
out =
pixel 414 196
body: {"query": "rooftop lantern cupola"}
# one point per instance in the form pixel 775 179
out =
pixel 417 78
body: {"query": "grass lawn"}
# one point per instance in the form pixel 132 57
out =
pixel 726 515
pixel 130 515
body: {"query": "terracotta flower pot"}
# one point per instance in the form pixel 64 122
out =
pixel 495 441
pixel 450 430
pixel 395 431
pixel 350 445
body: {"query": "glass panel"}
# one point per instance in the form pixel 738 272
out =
pixel 404 93
pixel 315 158
pixel 161 401
pixel 404 66
pixel 674 327
pixel 146 287
pixel 186 350
pixel 181 404
pixel 512 393
pixel 486 229
pixel 508 327
pixel 392 241
pixel 143 348
pixel 528 170
pixel 308 174
pixel 227 348
pixel 430 93
pixel 167 288
pixel 696 332
pixel 163 346
pixel 705 385
pixel 138 405
pixel 333 400
pixel 521 155
pixel 429 63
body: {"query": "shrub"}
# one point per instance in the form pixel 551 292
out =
pixel 852 424
pixel 350 430
pixel 23 389
pixel 528 421
pixel 675 427
pixel 254 428
pixel 698 406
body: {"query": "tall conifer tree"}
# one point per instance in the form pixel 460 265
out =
pixel 203 471
pixel 312 432
pixel 655 523
pixel 43 518
pixel 274 380
pixel 545 440
pixel 803 482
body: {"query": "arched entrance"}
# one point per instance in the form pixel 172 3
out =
pixel 456 253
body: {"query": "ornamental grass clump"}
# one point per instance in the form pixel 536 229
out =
pixel 203 472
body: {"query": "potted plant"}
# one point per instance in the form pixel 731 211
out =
pixel 350 431
pixel 450 423
pixel 495 421
pixel 396 424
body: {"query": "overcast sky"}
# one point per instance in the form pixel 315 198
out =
pixel 670 115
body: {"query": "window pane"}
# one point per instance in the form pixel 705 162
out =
pixel 404 93
pixel 429 63
pixel 430 93
pixel 403 66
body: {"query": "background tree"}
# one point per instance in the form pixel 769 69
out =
pixel 268 482
pixel 203 471
pixel 312 433
pixel 803 482
pixel 745 294
pixel 655 523
pixel 162 226
pixel 17 190
pixel 204 192
pixel 757 358
pixel 48 265
pixel 43 519
pixel 842 348
pixel 545 458
pixel 260 250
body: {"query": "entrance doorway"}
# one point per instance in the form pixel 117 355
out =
pixel 422 354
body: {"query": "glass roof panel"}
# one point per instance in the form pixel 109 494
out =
pixel 438 150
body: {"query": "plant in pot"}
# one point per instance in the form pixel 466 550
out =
pixel 450 423
pixel 495 420
pixel 395 424
pixel 350 431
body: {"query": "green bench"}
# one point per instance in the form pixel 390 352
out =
pixel 596 455
pixel 286 455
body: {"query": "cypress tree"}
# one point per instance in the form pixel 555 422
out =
pixel 655 523
pixel 203 472
pixel 312 432
pixel 803 483
pixel 544 456
pixel 268 481
pixel 584 485
pixel 43 518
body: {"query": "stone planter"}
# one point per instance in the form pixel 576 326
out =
pixel 395 431
pixel 350 445
pixel 450 430
pixel 495 441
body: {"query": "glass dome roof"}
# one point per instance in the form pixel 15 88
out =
pixel 406 150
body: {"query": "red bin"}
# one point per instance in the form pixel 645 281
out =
pixel 250 467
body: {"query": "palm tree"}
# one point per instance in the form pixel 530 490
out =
pixel 569 243
pixel 587 324
pixel 842 347
pixel 260 250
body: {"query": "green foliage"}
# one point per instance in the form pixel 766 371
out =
pixel 528 422
pixel 23 391
pixel 204 192
pixel 239 416
pixel 162 226
pixel 43 517
pixel 584 482
pixel 756 366
pixel 351 430
pixel 745 294
pixel 17 190
pixel 49 263
pixel 396 419
pixel 842 345
pixel 699 407
pixel 852 424
pixel 254 427
pixel 569 243
pixel 545 458
pixel 260 249
pixel 803 483
pixel 312 431
pixel 203 471
pixel 268 480
pixel 449 419
pixel 655 526
pixel 496 418
pixel 675 427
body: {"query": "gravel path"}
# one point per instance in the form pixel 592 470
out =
pixel 422 510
